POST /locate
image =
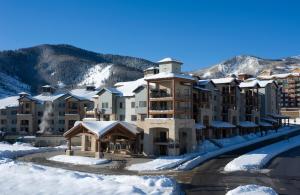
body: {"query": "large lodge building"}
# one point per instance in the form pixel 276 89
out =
pixel 164 113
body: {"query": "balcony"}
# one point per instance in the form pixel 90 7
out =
pixel 159 94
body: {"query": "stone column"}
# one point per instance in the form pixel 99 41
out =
pixel 69 151
pixel 98 152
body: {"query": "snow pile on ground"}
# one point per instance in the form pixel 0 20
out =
pixel 27 178
pixel 16 149
pixel 96 75
pixel 78 160
pixel 252 190
pixel 161 163
pixel 256 159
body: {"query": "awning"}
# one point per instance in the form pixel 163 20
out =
pixel 221 124
pixel 265 124
pixel 247 124
pixel 279 116
pixel 269 120
pixel 199 126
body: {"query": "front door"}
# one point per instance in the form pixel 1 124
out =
pixel 162 150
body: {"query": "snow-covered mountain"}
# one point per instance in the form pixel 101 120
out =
pixel 250 65
pixel 65 66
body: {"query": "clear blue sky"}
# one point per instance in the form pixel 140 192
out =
pixel 200 33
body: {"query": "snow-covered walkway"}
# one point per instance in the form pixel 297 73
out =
pixel 257 159
pixel 207 151
pixel 28 178
pixel 252 190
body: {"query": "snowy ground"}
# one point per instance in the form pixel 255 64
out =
pixel 78 160
pixel 252 190
pixel 189 161
pixel 28 178
pixel 256 159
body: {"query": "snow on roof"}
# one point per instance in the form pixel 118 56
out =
pixel 249 84
pixel 279 76
pixel 101 127
pixel 127 89
pixel 203 82
pixel 112 90
pixel 165 75
pixel 9 102
pixel 199 126
pixel 46 86
pixel 265 124
pixel 151 68
pixel 83 94
pixel 247 124
pixel 168 59
pixel 264 83
pixel 23 93
pixel 223 80
pixel 48 98
pixel 269 120
pixel 222 124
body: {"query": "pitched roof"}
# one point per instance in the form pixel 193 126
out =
pixel 48 98
pixel 99 128
pixel 83 94
pixel 9 102
pixel 224 80
pixel 127 88
pixel 249 84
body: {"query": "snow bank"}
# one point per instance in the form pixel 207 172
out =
pixel 27 178
pixel 16 149
pixel 78 160
pixel 256 159
pixel 252 190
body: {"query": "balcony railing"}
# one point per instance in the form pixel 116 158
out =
pixel 159 94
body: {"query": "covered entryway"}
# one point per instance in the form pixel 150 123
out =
pixel 104 136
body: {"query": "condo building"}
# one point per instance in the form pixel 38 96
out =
pixel 164 113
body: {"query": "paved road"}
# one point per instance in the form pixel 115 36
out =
pixel 282 174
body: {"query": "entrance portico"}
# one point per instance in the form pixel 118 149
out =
pixel 104 136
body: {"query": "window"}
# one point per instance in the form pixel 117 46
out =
pixel 61 121
pixel 3 122
pixel 14 121
pixel 132 104
pixel 142 103
pixel 24 122
pixel 40 113
pixel 27 105
pixel 104 104
pixel 121 117
pixel 121 104
pixel 61 113
pixel 133 117
pixel 3 112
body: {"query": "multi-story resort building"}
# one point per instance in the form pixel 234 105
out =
pixel 164 113
pixel 290 91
